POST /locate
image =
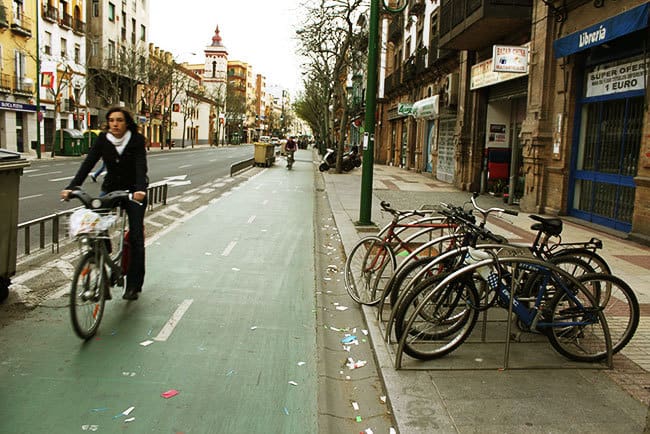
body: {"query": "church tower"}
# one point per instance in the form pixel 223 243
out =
pixel 216 65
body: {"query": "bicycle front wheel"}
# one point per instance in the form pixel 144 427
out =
pixel 87 296
pixel 368 270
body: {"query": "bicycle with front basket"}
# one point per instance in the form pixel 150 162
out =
pixel 99 268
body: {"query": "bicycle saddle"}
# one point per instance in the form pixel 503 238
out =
pixel 551 226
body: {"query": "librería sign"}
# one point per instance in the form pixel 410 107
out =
pixel 617 77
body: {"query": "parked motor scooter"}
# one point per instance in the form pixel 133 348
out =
pixel 351 159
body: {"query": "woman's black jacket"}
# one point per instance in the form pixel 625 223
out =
pixel 124 172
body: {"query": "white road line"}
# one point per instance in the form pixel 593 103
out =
pixel 229 248
pixel 251 219
pixel 167 330
pixel 60 179
pixel 30 197
pixel 43 174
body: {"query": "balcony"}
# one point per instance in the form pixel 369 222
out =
pixel 5 83
pixel 79 27
pixel 436 53
pixel 475 24
pixel 392 81
pixel 416 7
pixel 23 88
pixel 409 70
pixel 21 24
pixel 66 21
pixel 4 22
pixel 50 13
pixel 396 28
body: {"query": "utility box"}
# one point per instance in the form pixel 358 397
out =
pixel 264 154
pixel 11 168
pixel 71 142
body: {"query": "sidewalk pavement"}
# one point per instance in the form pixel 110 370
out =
pixel 456 395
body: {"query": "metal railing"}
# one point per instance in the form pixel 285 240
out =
pixel 241 165
pixel 156 194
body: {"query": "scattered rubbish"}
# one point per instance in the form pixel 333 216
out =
pixel 293 383
pixel 229 373
pixel 369 431
pixel 89 427
pixel 354 365
pixel 235 269
pixel 302 363
pixel 342 308
pixel 170 393
pixel 128 374
pixel 327 278
pixel 146 343
pixel 131 419
pixel 355 406
pixel 208 253
pixel 332 268
pixel 392 430
pixel 149 332
pixel 478 359
pixel 128 411
pixel 286 411
pixel 347 377
pixel 359 419
pixel 335 303
pixel 254 328
pixel 365 332
pixel 382 399
pixel 349 339
pixel 99 409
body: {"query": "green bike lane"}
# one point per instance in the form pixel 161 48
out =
pixel 229 305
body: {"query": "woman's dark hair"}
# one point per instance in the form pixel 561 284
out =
pixel 130 123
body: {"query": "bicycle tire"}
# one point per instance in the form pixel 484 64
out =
pixel 580 342
pixel 445 322
pixel 87 298
pixel 571 264
pixel 619 305
pixel 368 269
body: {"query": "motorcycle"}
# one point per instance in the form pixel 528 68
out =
pixel 290 159
pixel 350 160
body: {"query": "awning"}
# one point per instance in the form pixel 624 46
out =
pixel 426 108
pixel 612 28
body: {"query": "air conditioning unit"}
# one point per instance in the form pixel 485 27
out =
pixel 449 94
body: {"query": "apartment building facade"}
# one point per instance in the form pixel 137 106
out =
pixel 18 72
pixel 542 101
pixel 62 36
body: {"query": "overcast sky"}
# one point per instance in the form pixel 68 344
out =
pixel 259 32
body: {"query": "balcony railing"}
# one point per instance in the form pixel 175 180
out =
pixel 393 81
pixel 436 53
pixel 474 24
pixel 50 13
pixel 5 83
pixel 66 21
pixel 396 28
pixel 21 87
pixel 4 22
pixel 21 24
pixel 79 27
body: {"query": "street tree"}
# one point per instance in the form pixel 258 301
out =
pixel 236 108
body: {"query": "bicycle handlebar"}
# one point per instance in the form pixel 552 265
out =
pixel 386 207
pixel 486 212
pixel 108 201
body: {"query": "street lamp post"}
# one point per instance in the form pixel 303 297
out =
pixel 371 104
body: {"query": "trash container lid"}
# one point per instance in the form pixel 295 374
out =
pixel 8 155
pixel 71 133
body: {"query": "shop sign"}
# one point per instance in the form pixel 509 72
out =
pixel 612 28
pixel 483 75
pixel 617 77
pixel 17 106
pixel 404 109
pixel 507 58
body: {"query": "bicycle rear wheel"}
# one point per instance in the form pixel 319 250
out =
pixel 576 325
pixel 87 296
pixel 368 270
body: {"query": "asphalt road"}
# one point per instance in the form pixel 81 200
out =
pixel 43 179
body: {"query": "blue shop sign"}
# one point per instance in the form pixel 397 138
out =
pixel 612 28
pixel 18 106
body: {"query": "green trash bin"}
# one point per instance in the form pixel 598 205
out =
pixel 71 142
pixel 90 136
pixel 11 168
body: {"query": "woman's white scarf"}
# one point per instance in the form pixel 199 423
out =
pixel 121 142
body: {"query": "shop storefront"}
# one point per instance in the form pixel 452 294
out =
pixel 17 126
pixel 427 110
pixel 609 116
pixel 505 93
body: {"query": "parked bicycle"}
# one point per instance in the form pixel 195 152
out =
pixel 100 266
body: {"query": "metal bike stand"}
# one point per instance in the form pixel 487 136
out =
pixel 506 356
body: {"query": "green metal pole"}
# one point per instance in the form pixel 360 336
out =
pixel 369 124
pixel 38 86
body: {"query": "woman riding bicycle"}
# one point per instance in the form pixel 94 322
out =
pixel 122 149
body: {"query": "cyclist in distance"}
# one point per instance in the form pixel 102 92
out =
pixel 290 147
pixel 122 149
